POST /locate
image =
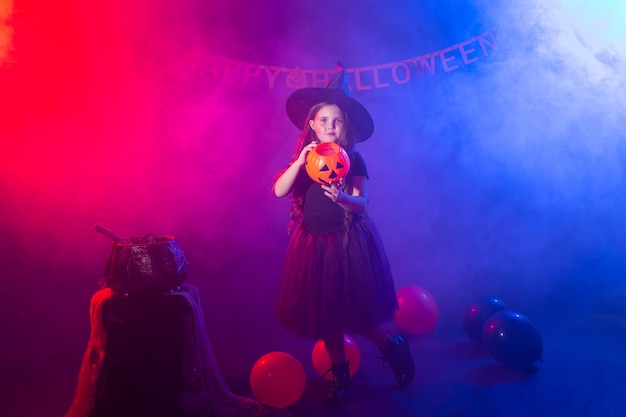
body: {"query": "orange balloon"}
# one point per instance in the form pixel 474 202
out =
pixel 418 312
pixel 278 379
pixel 321 360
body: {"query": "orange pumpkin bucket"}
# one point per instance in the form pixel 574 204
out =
pixel 327 163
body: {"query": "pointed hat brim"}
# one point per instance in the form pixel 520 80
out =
pixel 300 102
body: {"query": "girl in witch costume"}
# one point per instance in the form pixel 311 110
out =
pixel 336 277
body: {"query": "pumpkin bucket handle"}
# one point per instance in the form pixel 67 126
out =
pixel 110 233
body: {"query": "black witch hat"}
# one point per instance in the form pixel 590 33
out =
pixel 336 92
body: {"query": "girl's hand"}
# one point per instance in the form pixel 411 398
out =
pixel 305 151
pixel 333 191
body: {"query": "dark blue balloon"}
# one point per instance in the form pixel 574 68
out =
pixel 477 313
pixel 512 339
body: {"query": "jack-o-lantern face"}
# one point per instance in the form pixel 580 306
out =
pixel 327 163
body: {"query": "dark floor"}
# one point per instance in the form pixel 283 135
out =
pixel 582 373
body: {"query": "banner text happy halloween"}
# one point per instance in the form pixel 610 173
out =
pixel 361 78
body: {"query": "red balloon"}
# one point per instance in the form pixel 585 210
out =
pixel 321 360
pixel 278 379
pixel 418 311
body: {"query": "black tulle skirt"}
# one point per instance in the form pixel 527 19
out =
pixel 335 282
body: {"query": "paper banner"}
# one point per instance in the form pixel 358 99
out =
pixel 221 69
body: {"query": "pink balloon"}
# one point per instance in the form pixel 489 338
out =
pixel 278 379
pixel 418 311
pixel 321 360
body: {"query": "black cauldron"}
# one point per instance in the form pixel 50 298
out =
pixel 148 264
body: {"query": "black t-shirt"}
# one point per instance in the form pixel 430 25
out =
pixel 321 215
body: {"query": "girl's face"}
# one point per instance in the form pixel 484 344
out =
pixel 329 123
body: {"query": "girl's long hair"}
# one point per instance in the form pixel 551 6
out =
pixel 306 137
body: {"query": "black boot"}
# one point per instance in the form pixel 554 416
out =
pixel 398 355
pixel 340 384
